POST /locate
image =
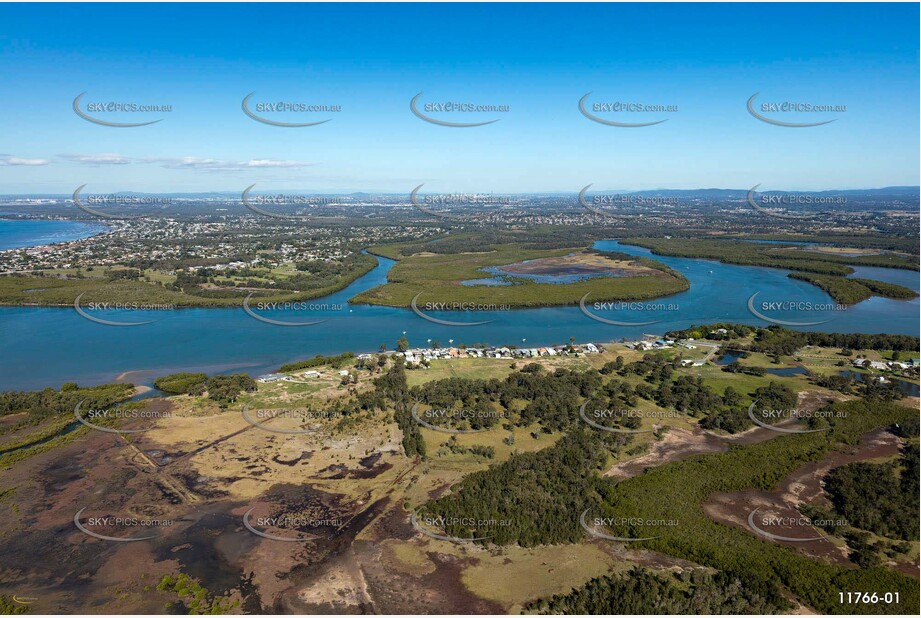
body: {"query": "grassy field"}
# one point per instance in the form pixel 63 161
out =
pixel 516 575
pixel 471 368
pixel 438 277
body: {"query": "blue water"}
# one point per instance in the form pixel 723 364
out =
pixel 503 277
pixel 909 388
pixel 778 242
pixel 786 372
pixel 489 282
pixel 19 234
pixel 46 346
pixel 727 359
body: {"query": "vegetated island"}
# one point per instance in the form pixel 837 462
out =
pixel 825 267
pixel 514 275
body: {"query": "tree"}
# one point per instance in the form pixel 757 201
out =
pixel 402 344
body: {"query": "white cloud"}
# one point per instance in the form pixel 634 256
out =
pixel 275 163
pixel 97 159
pixel 11 160
pixel 221 165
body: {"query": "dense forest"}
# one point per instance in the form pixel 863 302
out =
pixel 849 291
pixel 789 257
pixel 640 592
pixel 880 498
pixel 776 340
pixel 531 499
pixel 392 385
pixel 690 483
pixel 223 389
pixel 39 406
pixel 333 361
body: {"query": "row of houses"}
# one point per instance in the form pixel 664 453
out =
pixel 864 363
pixel 657 344
pixel 419 355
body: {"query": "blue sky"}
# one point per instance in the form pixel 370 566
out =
pixel 537 59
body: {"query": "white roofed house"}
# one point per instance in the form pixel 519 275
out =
pixel 272 377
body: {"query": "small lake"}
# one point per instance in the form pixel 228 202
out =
pixel 786 372
pixel 909 388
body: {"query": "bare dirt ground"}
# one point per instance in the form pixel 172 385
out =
pixel 678 444
pixel 804 486
pixel 578 264
pixel 187 473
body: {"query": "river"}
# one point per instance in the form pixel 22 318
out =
pixel 46 346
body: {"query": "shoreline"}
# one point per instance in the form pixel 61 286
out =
pixel 105 230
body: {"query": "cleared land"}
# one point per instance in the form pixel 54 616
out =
pixel 204 466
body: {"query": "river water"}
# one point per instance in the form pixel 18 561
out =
pixel 46 346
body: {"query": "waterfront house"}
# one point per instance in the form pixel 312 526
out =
pixel 272 377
